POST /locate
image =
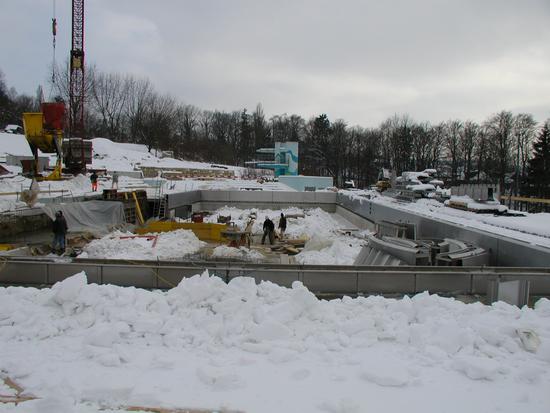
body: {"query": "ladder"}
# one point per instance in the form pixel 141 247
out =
pixel 159 206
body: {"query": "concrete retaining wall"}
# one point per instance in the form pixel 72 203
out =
pixel 318 279
pixel 212 200
pixel 503 251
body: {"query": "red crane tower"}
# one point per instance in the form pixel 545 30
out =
pixel 76 87
pixel 77 151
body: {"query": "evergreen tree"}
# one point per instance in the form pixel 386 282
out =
pixel 539 165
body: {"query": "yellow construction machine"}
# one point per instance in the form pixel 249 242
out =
pixel 44 131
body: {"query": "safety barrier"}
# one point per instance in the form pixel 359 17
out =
pixel 344 280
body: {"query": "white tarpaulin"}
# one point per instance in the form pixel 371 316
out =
pixel 91 216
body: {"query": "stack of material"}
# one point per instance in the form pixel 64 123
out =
pixel 289 246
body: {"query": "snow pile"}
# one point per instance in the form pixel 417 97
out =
pixel 207 343
pixel 169 246
pixel 241 253
pixel 325 246
pixel 330 251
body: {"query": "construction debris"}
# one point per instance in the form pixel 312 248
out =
pixel 18 396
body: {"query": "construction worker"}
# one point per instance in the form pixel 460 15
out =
pixel 59 228
pixel 115 180
pixel 93 180
pixel 269 229
pixel 282 225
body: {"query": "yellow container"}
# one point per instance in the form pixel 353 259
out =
pixel 204 231
pixel 32 123
pixel 35 134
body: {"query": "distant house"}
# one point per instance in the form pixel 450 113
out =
pixel 14 129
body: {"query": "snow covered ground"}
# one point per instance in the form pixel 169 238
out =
pixel 531 228
pixel 268 349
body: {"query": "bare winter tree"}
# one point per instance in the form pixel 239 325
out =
pixel 110 92
pixel 187 122
pixel 499 129
pixel 139 91
pixel 437 133
pixel 468 137
pixel 481 154
pixel 524 134
pixel 398 146
pixel 422 138
pixel 452 132
pixel 157 129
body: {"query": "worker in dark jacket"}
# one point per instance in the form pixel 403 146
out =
pixel 282 225
pixel 115 180
pixel 93 180
pixel 269 230
pixel 59 228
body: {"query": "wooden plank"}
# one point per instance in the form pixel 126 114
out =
pixel 525 199
pixel 291 250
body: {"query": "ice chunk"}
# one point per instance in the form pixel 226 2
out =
pixel 529 339
pixel 477 368
pixel 68 289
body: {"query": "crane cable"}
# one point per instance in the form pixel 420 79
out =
pixel 54 33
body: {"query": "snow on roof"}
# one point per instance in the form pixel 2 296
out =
pixel 14 144
pixel 12 127
pixel 421 187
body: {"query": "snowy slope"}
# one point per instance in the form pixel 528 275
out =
pixel 115 156
pixel 268 349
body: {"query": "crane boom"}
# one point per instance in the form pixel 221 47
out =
pixel 76 88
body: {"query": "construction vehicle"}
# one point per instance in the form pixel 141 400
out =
pixel 44 130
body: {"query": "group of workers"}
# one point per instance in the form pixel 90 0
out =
pixel 94 177
pixel 269 229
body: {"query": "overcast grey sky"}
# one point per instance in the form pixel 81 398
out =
pixel 360 60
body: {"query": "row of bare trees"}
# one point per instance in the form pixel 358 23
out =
pixel 129 109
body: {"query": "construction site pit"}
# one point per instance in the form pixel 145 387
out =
pixel 313 236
